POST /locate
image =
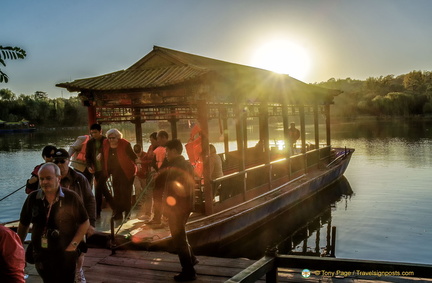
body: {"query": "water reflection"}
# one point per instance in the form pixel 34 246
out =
pixel 372 129
pixel 294 228
pixel 12 142
pixel 319 230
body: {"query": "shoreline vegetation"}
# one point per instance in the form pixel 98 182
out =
pixel 407 96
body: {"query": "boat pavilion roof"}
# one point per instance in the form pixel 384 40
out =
pixel 170 76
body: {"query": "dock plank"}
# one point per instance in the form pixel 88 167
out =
pixel 127 266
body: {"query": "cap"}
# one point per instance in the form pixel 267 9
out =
pixel 61 153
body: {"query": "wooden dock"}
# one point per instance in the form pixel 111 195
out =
pixel 129 266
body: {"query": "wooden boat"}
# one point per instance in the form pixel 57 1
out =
pixel 225 100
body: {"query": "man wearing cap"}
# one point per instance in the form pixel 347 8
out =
pixel 59 221
pixel 77 182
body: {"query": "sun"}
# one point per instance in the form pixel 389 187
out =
pixel 283 56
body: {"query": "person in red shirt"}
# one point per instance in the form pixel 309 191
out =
pixel 119 162
pixel 12 257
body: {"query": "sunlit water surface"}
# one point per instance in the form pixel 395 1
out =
pixel 386 218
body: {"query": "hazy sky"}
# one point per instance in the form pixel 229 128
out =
pixel 68 40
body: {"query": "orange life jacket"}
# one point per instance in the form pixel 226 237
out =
pixel 194 150
pixel 82 153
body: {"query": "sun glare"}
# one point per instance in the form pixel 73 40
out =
pixel 282 56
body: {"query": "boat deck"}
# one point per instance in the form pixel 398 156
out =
pixel 146 266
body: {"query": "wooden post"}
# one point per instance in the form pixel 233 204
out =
pixel 264 135
pixel 302 128
pixel 138 126
pixel 91 114
pixel 240 143
pixel 245 135
pixel 173 122
pixel 303 136
pixel 223 116
pixel 203 122
pixel 287 143
pixel 327 114
pixel 316 127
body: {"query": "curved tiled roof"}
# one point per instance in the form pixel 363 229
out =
pixel 132 79
pixel 164 67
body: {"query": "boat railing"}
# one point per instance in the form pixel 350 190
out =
pixel 240 186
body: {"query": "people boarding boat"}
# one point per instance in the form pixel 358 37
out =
pixel 224 100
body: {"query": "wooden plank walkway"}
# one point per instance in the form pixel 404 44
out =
pixel 129 266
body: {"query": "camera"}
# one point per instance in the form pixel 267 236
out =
pixel 54 233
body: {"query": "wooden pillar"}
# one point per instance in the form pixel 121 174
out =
pixel 316 126
pixel 285 123
pixel 240 143
pixel 173 122
pixel 286 139
pixel 327 115
pixel 244 122
pixel 302 128
pixel 240 137
pixel 203 122
pixel 223 116
pixel 264 135
pixel 138 126
pixel 303 136
pixel 91 114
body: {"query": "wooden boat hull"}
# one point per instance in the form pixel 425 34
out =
pixel 226 226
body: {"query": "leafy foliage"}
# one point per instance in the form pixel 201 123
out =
pixel 42 110
pixel 404 95
pixel 9 53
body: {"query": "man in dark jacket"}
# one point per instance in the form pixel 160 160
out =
pixel 178 181
pixel 77 182
pixel 93 158
pixel 59 221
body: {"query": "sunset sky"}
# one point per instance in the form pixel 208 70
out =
pixel 314 40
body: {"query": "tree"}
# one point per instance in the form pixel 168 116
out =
pixel 9 53
pixel 413 81
pixel 40 95
pixel 6 94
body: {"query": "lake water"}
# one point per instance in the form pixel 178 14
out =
pixel 385 218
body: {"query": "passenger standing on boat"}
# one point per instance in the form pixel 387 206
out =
pixel 77 152
pixel 94 164
pixel 178 180
pixel 148 203
pixel 143 166
pixel 32 184
pixel 215 168
pixel 12 257
pixel 77 182
pixel 293 136
pixel 159 162
pixel 119 162
pixel 59 221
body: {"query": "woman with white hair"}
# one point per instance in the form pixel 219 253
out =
pixel 119 162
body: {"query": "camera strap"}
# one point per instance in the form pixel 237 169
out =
pixel 47 219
